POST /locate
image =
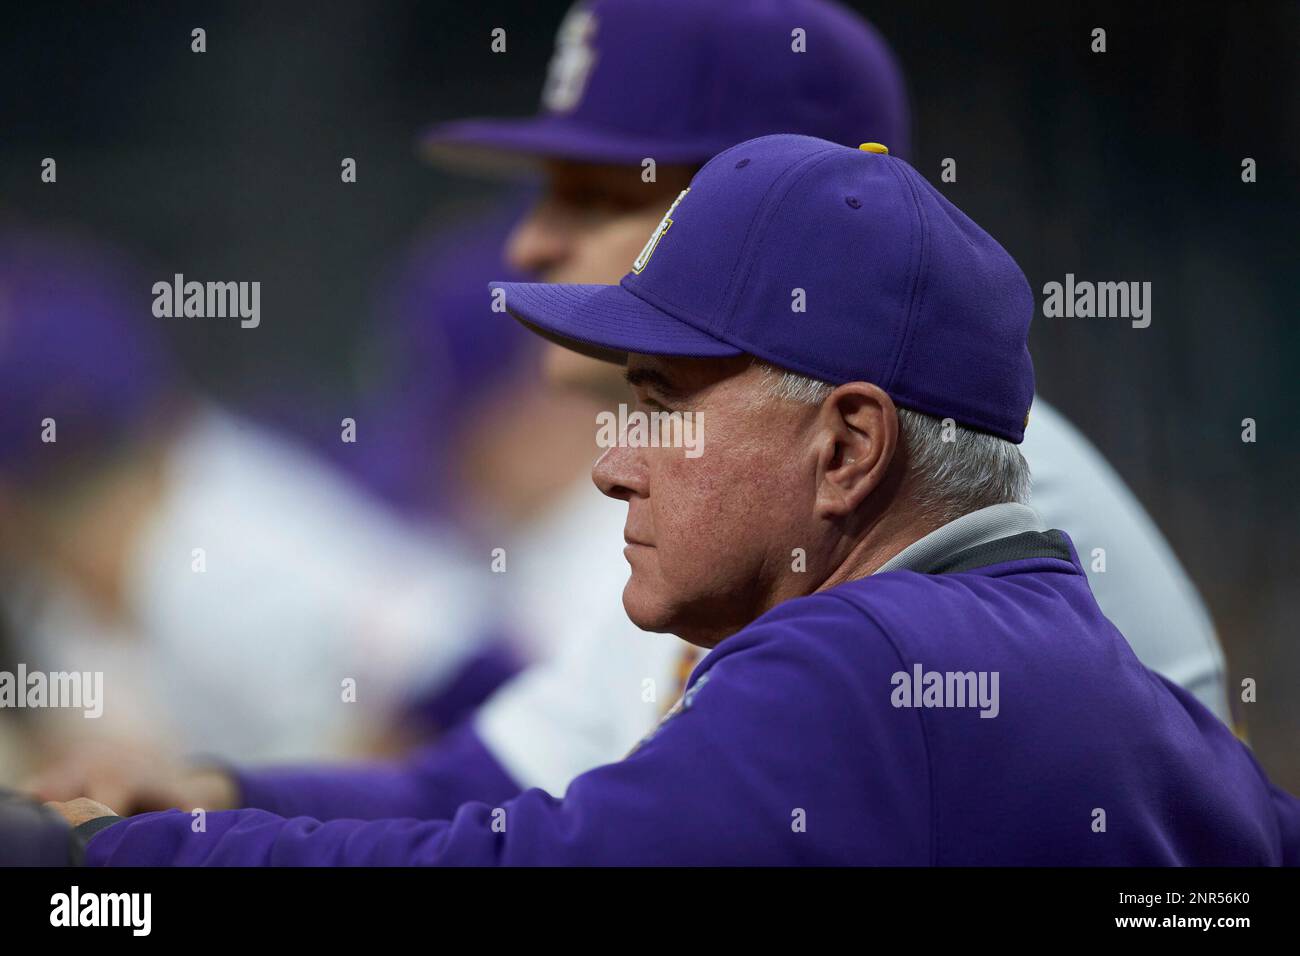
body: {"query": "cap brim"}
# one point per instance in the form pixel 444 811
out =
pixel 606 322
pixel 507 145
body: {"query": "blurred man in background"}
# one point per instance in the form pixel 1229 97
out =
pixel 444 429
pixel 241 599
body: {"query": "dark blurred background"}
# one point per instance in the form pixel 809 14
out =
pixel 1117 166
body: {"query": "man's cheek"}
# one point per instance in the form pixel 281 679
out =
pixel 688 495
pixel 685 554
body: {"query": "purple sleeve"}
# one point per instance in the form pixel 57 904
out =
pixel 1288 822
pixel 477 678
pixel 752 769
pixel 429 785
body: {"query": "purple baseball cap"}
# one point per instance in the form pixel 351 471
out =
pixel 897 286
pixel 680 80
pixel 78 344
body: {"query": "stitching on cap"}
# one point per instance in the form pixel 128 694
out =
pixel 693 319
pixel 716 157
pixel 917 291
pixel 979 420
pixel 905 355
pixel 795 172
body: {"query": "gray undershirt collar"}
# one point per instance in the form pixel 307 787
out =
pixel 968 531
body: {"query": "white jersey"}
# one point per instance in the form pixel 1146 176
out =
pixel 606 681
pixel 262 586
pixel 1143 590
pixel 609 682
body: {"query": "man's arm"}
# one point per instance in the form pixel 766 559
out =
pixel 784 752
pixel 431 784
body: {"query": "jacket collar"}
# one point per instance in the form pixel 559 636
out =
pixel 992 535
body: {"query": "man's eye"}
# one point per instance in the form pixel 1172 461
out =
pixel 578 205
pixel 594 212
pixel 650 402
pixel 635 203
pixel 594 202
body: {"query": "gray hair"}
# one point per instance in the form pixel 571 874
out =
pixel 956 469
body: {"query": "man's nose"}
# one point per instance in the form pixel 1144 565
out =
pixel 620 473
pixel 541 241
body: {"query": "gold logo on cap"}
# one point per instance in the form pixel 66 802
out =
pixel 649 248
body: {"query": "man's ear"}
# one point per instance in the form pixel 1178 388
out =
pixel 857 438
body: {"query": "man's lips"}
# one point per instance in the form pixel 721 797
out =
pixel 634 541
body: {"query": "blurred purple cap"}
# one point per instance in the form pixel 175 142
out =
pixel 78 344
pixel 681 80
pixel 440 351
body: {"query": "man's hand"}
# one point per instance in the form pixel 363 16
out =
pixel 136 780
pixel 81 810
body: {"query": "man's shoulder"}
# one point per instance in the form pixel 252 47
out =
pixel 905 600
pixel 816 651
pixel 825 619
pixel 1010 615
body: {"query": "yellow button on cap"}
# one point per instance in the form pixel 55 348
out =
pixel 874 148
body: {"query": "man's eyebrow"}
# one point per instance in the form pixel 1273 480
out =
pixel 648 376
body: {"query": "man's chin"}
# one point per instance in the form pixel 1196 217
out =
pixel 645 610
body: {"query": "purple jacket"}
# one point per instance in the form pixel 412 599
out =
pixel 982 712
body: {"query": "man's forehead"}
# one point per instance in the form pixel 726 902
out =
pixel 566 170
pixel 597 180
